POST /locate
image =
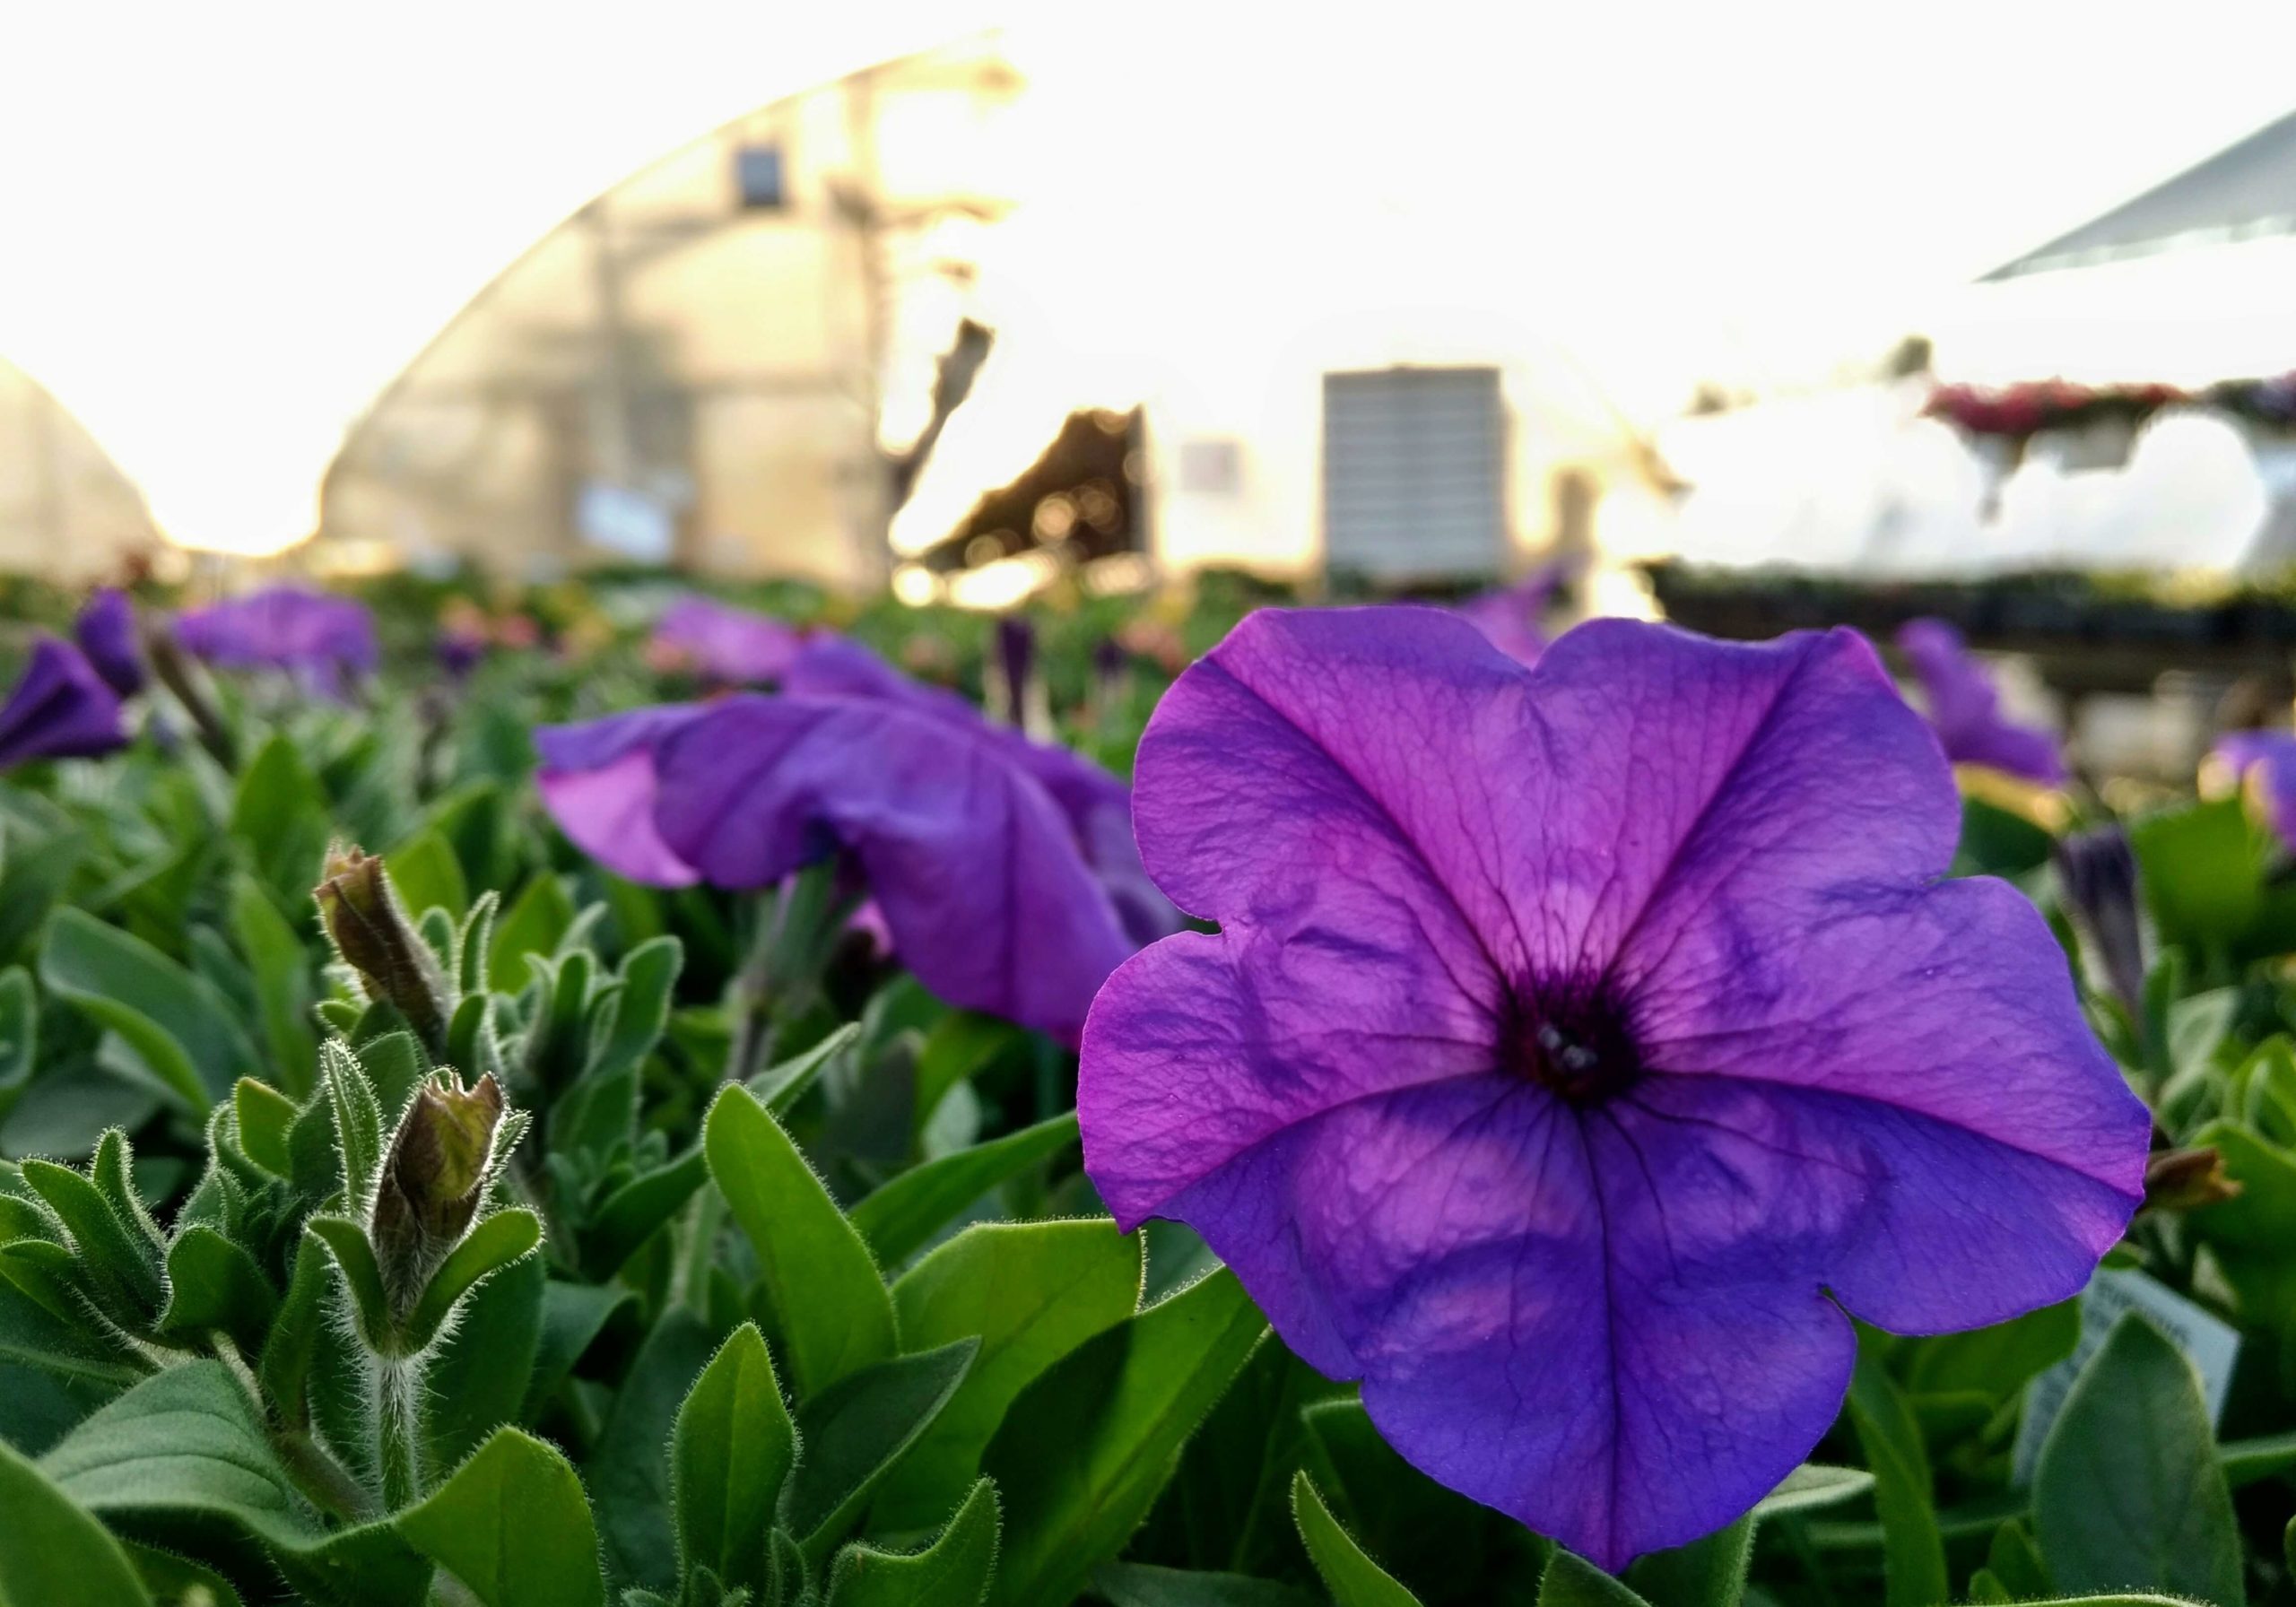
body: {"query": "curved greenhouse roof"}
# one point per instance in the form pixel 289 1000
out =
pixel 66 512
pixel 693 368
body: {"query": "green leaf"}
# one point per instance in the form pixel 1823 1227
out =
pixel 213 1283
pixel 853 1433
pixel 1708 1572
pixel 280 815
pixel 482 1374
pixel 778 1088
pixel 19 1034
pixel 2249 1234
pixel 960 1044
pixel 573 1315
pixel 187 1444
pixel 265 1118
pixel 295 1333
pixel 280 962
pixel 513 1526
pixel 534 925
pixel 362 1277
pixel 1083 1451
pixel 1421 1532
pixel 1913 1551
pixel 1814 1485
pixel 649 974
pixel 53 1552
pixel 833 1312
pixel 953 1571
pixel 177 1024
pixel 1144 1585
pixel 1995 1362
pixel 494 1243
pixel 901 1218
pixel 639 1209
pixel 122 1266
pixel 1573 1581
pixel 2245 1461
pixel 1033 1292
pixel 732 1447
pixel 358 1121
pixel 1353 1579
pixel 629 1472
pixel 2128 1491
pixel 429 876
pixel 2202 872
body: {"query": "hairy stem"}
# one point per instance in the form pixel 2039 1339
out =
pixel 398 1430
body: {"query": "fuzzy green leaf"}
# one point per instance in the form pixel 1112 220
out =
pixel 1353 1579
pixel 953 1571
pixel 833 1312
pixel 732 1447
pixel 513 1526
pixel 902 1218
pixel 1083 1452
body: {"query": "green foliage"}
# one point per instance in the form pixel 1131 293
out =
pixel 453 1261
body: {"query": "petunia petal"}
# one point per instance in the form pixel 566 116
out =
pixel 978 875
pixel 599 782
pixel 1366 738
pixel 1940 1053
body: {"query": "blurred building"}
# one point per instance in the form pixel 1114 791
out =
pixel 700 366
pixel 66 512
pixel 860 328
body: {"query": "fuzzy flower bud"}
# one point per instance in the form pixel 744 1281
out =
pixel 434 1179
pixel 370 930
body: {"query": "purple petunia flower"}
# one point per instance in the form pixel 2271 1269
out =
pixel 324 641
pixel 1099 806
pixel 730 646
pixel 1581 1046
pixel 1964 708
pixel 106 633
pixel 2266 764
pixel 60 708
pixel 974 870
pixel 1509 617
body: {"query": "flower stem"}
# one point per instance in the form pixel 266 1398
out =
pixel 398 1430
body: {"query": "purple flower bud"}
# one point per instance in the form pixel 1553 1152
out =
pixel 60 708
pixel 370 930
pixel 1016 663
pixel 106 632
pixel 2097 873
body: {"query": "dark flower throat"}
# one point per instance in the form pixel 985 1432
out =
pixel 1578 1044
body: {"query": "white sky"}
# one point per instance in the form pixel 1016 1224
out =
pixel 224 227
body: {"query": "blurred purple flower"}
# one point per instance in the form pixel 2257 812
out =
pixel 973 870
pixel 1509 617
pixel 60 708
pixel 326 642
pixel 971 861
pixel 1097 804
pixel 1582 1047
pixel 598 781
pixel 106 633
pixel 1964 708
pixel 460 649
pixel 2265 761
pixel 729 645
